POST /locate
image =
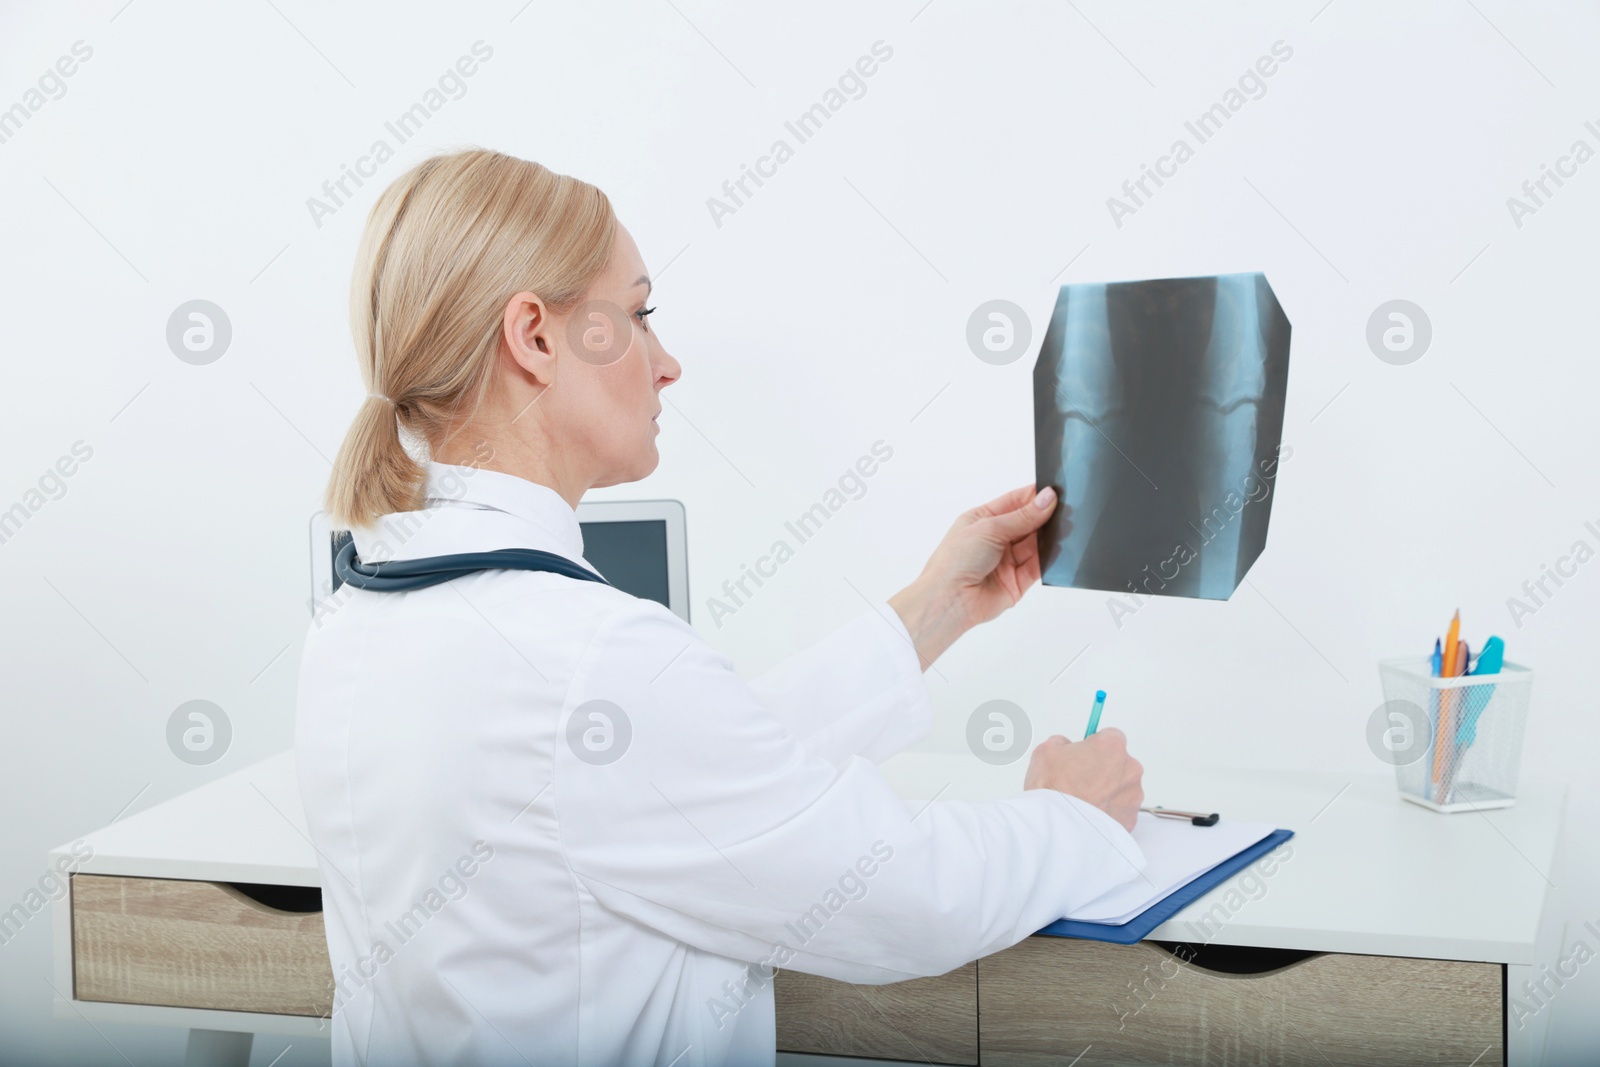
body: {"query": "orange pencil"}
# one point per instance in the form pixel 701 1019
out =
pixel 1452 649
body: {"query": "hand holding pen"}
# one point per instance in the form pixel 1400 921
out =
pixel 1097 769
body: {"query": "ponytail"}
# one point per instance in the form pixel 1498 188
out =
pixel 445 247
pixel 384 477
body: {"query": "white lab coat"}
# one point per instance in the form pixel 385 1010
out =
pixel 494 893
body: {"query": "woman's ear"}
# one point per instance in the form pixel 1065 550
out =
pixel 528 333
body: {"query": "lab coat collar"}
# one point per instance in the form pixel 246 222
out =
pixel 530 515
pixel 449 483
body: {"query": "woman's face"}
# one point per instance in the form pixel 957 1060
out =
pixel 600 406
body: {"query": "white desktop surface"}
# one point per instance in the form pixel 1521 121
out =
pixel 247 826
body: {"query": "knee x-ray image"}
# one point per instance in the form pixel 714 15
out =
pixel 1158 417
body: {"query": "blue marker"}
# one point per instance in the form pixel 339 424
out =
pixel 1094 714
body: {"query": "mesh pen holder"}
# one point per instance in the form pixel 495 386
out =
pixel 1456 743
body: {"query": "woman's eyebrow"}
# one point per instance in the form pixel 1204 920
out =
pixel 644 280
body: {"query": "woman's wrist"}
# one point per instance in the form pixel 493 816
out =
pixel 928 618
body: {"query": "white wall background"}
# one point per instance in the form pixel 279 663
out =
pixel 829 312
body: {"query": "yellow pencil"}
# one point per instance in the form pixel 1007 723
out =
pixel 1452 649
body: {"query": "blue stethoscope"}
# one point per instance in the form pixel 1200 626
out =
pixel 398 576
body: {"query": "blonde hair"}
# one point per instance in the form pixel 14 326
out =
pixel 445 247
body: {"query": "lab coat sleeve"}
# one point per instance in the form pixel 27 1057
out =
pixel 713 825
pixel 857 692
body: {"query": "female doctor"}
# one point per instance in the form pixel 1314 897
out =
pixel 553 824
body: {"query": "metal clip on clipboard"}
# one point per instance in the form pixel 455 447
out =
pixel 1195 817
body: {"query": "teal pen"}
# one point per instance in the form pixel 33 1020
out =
pixel 1094 714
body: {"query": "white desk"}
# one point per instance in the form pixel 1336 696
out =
pixel 1369 876
pixel 246 827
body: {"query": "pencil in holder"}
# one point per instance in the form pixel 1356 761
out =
pixel 1468 756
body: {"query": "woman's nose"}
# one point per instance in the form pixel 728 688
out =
pixel 669 370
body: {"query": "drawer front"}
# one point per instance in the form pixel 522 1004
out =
pixel 924 1020
pixel 1048 1000
pixel 195 945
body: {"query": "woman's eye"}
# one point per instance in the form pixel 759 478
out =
pixel 642 316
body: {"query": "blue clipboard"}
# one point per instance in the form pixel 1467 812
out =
pixel 1138 928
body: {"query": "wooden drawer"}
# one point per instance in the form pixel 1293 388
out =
pixel 932 1020
pixel 195 945
pixel 1048 1000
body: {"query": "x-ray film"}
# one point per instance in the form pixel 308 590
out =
pixel 1158 417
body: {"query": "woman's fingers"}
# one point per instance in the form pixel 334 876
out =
pixel 1007 501
pixel 1025 555
pixel 1022 520
pixel 1024 549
